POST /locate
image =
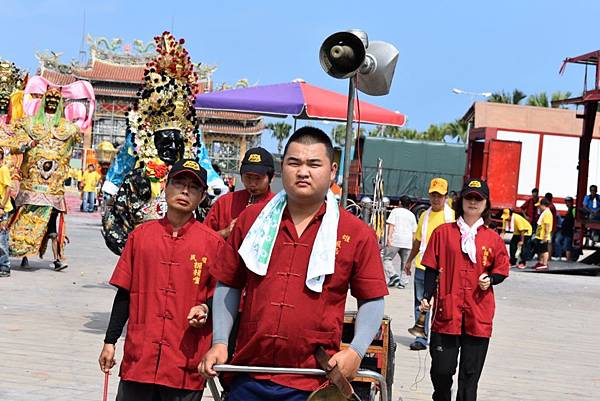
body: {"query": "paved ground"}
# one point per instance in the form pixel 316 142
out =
pixel 545 344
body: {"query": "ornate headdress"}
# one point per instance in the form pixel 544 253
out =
pixel 10 77
pixel 73 111
pixel 166 100
pixel 11 85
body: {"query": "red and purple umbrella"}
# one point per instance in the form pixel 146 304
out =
pixel 299 100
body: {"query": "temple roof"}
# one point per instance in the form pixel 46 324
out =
pixel 105 71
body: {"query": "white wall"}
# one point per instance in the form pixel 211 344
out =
pixel 559 166
pixel 558 173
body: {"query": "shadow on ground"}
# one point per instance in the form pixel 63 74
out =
pixel 97 323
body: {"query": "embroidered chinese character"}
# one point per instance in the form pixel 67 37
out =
pixel 485 256
pixel 197 268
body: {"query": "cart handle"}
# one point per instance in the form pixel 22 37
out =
pixel 297 371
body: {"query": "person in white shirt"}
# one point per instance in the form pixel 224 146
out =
pixel 401 226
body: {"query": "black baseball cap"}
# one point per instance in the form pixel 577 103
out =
pixel 259 161
pixel 189 166
pixel 476 186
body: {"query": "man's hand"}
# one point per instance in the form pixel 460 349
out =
pixel 484 281
pixel 215 356
pixel 198 315
pixel 347 361
pixel 226 232
pixel 408 267
pixel 107 358
pixel 425 305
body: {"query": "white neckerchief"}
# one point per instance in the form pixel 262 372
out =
pixel 258 244
pixel 448 217
pixel 467 237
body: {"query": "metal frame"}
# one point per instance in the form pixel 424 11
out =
pixel 274 370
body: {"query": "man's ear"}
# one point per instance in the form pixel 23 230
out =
pixel 334 170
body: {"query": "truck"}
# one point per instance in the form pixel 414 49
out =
pixel 518 148
pixel 407 168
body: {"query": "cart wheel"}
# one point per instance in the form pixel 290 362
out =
pixel 389 375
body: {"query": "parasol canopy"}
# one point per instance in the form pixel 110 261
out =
pixel 299 100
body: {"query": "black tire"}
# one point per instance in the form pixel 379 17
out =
pixel 419 209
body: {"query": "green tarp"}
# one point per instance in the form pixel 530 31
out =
pixel 409 166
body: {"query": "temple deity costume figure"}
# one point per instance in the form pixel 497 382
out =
pixel 164 127
pixel 56 115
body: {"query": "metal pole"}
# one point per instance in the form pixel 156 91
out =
pixel 296 371
pixel 349 138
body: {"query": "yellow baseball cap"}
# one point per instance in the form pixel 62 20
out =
pixel 439 185
pixel 505 214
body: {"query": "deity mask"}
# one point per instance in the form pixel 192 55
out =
pixel 53 98
pixel 169 145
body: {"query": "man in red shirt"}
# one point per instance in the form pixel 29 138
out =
pixel 257 172
pixel 530 208
pixel 463 261
pixel 290 307
pixel 164 291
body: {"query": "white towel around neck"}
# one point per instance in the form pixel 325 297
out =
pixel 257 247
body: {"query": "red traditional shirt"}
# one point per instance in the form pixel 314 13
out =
pixel 166 274
pixel 283 321
pixel 460 302
pixel 229 207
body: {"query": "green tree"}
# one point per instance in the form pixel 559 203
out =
pixel 558 95
pixel 538 100
pixel 542 100
pixel 394 132
pixel 456 128
pixel 279 131
pixel 338 133
pixel 516 97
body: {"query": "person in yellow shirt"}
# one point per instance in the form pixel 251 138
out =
pixel 90 181
pixel 543 235
pixel 438 214
pixel 5 209
pixel 522 230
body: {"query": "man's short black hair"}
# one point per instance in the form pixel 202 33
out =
pixel 308 136
pixel 549 196
pixel 545 202
pixel 593 186
pixel 405 201
pixel 536 190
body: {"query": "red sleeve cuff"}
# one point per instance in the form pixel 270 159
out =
pixel 369 289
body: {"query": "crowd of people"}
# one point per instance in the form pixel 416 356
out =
pixel 263 278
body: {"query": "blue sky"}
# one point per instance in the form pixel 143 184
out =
pixel 477 46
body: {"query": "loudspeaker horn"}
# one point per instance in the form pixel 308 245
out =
pixel 377 70
pixel 342 54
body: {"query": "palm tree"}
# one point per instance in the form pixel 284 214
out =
pixel 516 97
pixel 558 95
pixel 542 100
pixel 279 131
pixel 538 100
pixel 457 128
pixel 394 132
pixel 338 133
